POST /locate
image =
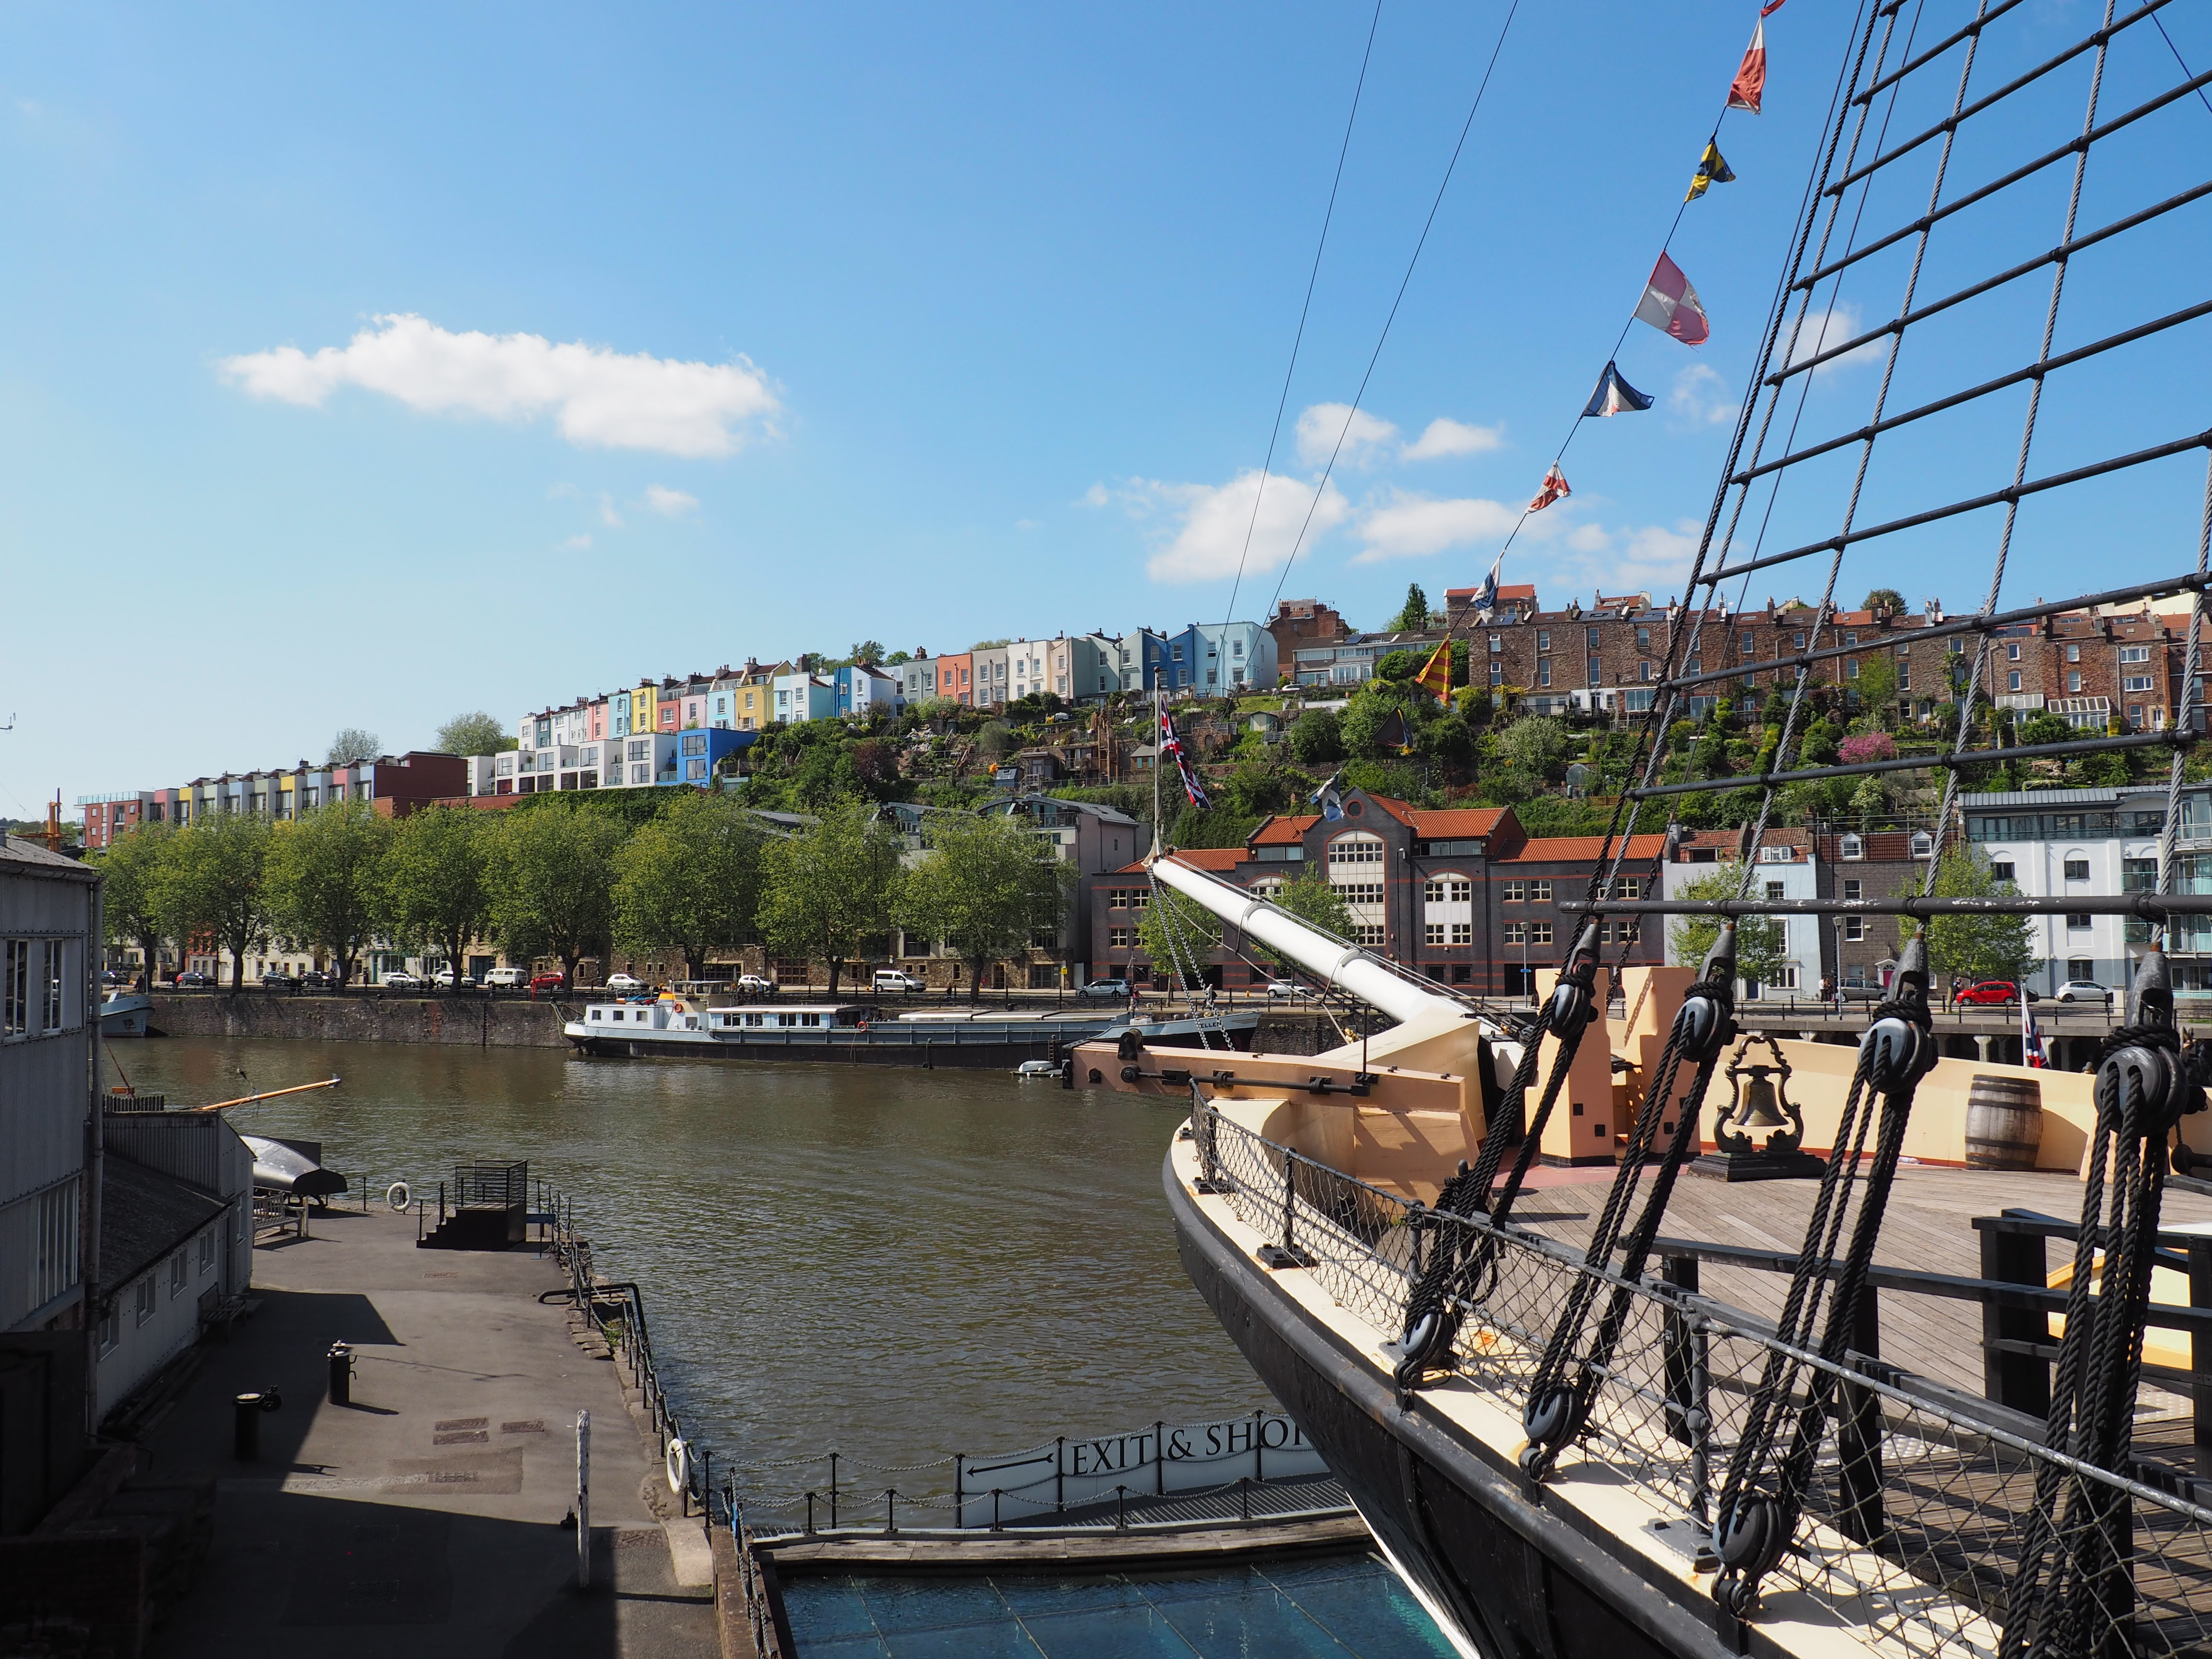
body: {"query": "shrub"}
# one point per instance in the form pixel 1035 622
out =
pixel 1867 746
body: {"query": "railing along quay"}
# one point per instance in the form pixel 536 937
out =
pixel 1920 1487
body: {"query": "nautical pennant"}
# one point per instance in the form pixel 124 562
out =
pixel 1615 396
pixel 1330 799
pixel 1170 744
pixel 1671 306
pixel 2030 1037
pixel 1555 490
pixel 1435 676
pixel 1750 82
pixel 1486 598
pixel 1770 7
pixel 1712 170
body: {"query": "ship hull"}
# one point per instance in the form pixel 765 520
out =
pixel 1506 1578
pixel 957 1044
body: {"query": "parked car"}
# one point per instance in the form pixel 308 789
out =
pixel 506 979
pixel 400 980
pixel 316 980
pixel 1993 992
pixel 624 982
pixel 193 979
pixel 1102 989
pixel 552 982
pixel 893 979
pixel 275 979
pixel 445 981
pixel 1288 987
pixel 752 984
pixel 2084 990
pixel 114 976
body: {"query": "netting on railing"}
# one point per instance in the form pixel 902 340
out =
pixel 1912 1515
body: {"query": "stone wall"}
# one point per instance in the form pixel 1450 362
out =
pixel 475 1022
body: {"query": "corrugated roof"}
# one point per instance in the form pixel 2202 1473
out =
pixel 1568 849
pixel 2041 797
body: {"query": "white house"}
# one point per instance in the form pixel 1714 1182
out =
pixel 1784 867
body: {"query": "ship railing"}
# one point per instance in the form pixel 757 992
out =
pixel 1915 1511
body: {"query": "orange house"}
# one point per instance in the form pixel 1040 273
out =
pixel 954 677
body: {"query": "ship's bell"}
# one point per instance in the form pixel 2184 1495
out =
pixel 1759 1111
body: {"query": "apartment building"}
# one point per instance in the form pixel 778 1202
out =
pixel 1348 661
pixel 992 664
pixel 956 678
pixel 1785 865
pixel 1304 622
pixel 395 785
pixel 802 696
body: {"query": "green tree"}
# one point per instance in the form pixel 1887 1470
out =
pixel 985 886
pixel 351 743
pixel 1973 947
pixel 869 651
pixel 1179 935
pixel 212 886
pixel 440 882
pixel 1537 746
pixel 130 871
pixel 689 880
pixel 552 870
pixel 1413 615
pixel 327 878
pixel 1317 738
pixel 475 733
pixel 1313 897
pixel 1884 599
pixel 828 891
pixel 1762 943
pixel 1877 684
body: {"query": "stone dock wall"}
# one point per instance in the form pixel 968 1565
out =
pixel 470 1022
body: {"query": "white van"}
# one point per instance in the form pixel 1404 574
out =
pixel 509 978
pixel 892 979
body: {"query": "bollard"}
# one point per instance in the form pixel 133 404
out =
pixel 246 1428
pixel 341 1362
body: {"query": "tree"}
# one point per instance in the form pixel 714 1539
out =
pixel 130 872
pixel 1973 947
pixel 987 886
pixel 1877 684
pixel 1884 599
pixel 353 744
pixel 1179 935
pixel 869 651
pixel 1317 739
pixel 212 886
pixel 1537 746
pixel 828 891
pixel 476 734
pixel 1762 943
pixel 689 880
pixel 1313 897
pixel 553 881
pixel 327 878
pixel 440 888
pixel 1413 615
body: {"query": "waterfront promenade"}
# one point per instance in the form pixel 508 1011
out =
pixel 426 1516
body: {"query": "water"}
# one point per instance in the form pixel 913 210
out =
pixel 897 1264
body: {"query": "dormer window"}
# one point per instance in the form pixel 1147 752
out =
pixel 1851 847
pixel 1922 843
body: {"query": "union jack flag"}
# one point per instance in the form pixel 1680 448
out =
pixel 1170 744
pixel 1555 489
pixel 2031 1035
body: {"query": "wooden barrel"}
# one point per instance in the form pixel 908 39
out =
pixel 2004 1122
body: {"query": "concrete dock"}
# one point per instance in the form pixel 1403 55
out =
pixel 429 1512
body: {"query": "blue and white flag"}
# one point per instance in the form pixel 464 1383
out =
pixel 1615 396
pixel 1330 799
pixel 1486 596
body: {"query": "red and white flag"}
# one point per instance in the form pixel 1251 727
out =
pixel 1670 305
pixel 1750 82
pixel 1555 489
pixel 2031 1035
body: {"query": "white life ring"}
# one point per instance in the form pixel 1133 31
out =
pixel 679 1466
pixel 397 1195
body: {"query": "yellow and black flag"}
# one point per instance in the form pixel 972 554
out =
pixel 1435 676
pixel 1711 170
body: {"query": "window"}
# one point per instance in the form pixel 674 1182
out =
pixel 2135 683
pixel 1854 929
pixel 2002 870
pixel 2077 920
pixel 15 987
pixel 2081 968
pixel 1850 639
pixel 1516 933
pixel 1852 888
pixel 1360 892
pixel 1595 671
pixel 2012 681
pixel 50 989
pixel 642 749
pixel 207 1249
pixel 2074 679
pixel 2135 654
pixel 1541 892
pixel 1777 855
pixel 1539 932
pixel 2012 651
pixel 1543 671
pixel 1643 672
pixel 2077 869
pixel 1497 643
pixel 54 1267
pixel 1117 939
pixel 1543 639
pixel 1643 639
pixel 1798 640
pixel 1851 847
pixel 2073 653
pixel 1367 933
pixel 1355 849
pixel 1515 892
pixel 142 1302
pixel 111 1330
pixel 179 1273
pixel 1496 672
pixel 1462 932
pixel 695 743
pixel 1773 890
pixel 1922 844
pixel 1432 933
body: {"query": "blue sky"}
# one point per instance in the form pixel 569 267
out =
pixel 361 366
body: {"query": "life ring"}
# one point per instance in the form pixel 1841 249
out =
pixel 398 1196
pixel 679 1466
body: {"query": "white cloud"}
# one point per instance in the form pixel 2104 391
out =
pixel 1094 496
pixel 1027 523
pixel 1444 437
pixel 1320 425
pixel 608 516
pixel 670 503
pixel 1415 526
pixel 1700 397
pixel 598 396
pixel 1822 330
pixel 1211 521
pixel 576 543
pixel 1633 559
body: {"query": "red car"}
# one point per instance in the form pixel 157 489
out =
pixel 549 982
pixel 1997 992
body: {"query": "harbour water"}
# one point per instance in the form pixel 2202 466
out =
pixel 894 1263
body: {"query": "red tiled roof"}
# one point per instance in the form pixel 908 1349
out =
pixel 1453 822
pixel 1510 591
pixel 1558 849
pixel 1216 859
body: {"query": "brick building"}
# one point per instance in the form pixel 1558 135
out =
pixel 1302 622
